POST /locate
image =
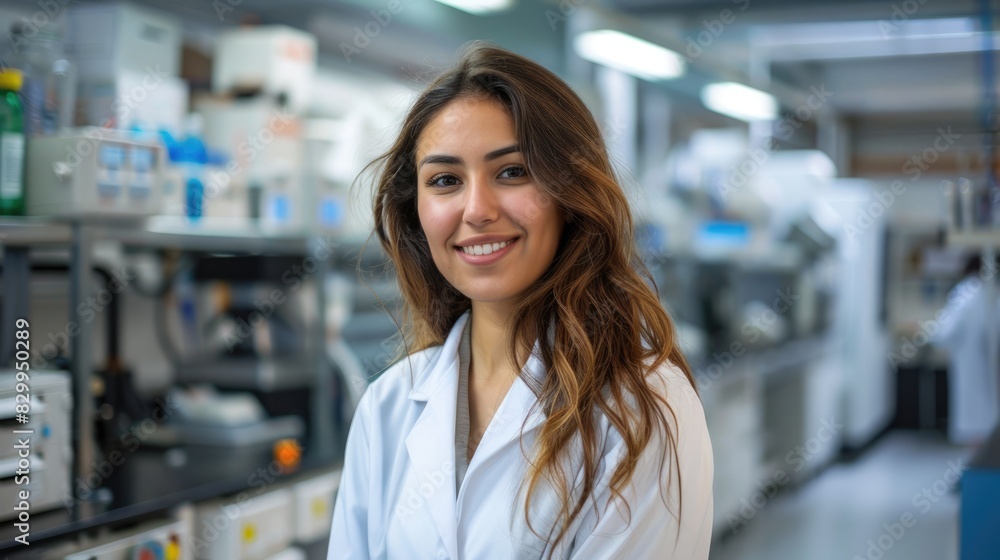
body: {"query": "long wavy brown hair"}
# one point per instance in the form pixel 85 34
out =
pixel 595 313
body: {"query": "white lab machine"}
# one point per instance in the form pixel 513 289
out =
pixel 106 37
pixel 263 179
pixel 129 60
pixel 48 445
pixel 314 500
pixel 273 59
pixel 255 528
pixel 94 172
pixel 163 540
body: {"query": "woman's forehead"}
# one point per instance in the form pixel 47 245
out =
pixel 467 125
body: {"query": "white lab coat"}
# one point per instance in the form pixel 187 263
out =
pixel 397 497
pixel 963 327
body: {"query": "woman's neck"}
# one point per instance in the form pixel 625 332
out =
pixel 489 342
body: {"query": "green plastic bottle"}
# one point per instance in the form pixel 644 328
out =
pixel 11 144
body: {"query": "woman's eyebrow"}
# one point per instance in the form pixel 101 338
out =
pixel 455 160
pixel 501 152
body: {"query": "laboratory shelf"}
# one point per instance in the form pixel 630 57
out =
pixel 212 235
pixel 17 231
pixel 975 239
pixel 150 482
pixel 153 481
pixel 768 362
pixel 166 232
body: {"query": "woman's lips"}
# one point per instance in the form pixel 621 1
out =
pixel 486 259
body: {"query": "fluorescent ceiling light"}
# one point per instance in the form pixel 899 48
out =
pixel 740 101
pixel 870 39
pixel 629 54
pixel 479 7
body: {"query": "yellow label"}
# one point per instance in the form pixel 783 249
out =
pixel 319 507
pixel 173 551
pixel 249 533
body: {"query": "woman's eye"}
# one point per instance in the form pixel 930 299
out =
pixel 443 180
pixel 514 172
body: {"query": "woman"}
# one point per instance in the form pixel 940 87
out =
pixel 544 409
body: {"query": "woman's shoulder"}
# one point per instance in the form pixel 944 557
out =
pixel 671 381
pixel 671 384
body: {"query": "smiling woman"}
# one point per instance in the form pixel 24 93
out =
pixel 543 409
pixel 475 194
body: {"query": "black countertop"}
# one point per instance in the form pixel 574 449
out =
pixel 151 481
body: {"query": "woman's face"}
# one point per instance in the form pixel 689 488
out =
pixel 491 231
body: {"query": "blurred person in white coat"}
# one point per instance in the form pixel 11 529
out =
pixel 964 328
pixel 543 408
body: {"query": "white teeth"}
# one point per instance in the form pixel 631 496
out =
pixel 484 249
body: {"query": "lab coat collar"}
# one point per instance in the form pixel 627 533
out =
pixel 443 368
pixel 431 442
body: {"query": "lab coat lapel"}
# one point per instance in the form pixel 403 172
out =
pixel 431 442
pixel 506 426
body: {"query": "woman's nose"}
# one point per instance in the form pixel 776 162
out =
pixel 481 204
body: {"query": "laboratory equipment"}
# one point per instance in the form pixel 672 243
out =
pixel 107 37
pixel 205 416
pixel 95 171
pixel 50 457
pixel 190 156
pixel 49 89
pixel 273 59
pixel 128 59
pixel 255 528
pixel 261 334
pixel 159 540
pixel 264 145
pixel 314 499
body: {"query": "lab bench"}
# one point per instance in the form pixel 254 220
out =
pixel 773 414
pixel 151 482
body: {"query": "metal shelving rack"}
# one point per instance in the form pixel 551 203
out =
pixel 19 236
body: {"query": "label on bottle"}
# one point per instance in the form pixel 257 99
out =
pixel 11 164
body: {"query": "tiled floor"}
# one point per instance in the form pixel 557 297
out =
pixel 834 516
